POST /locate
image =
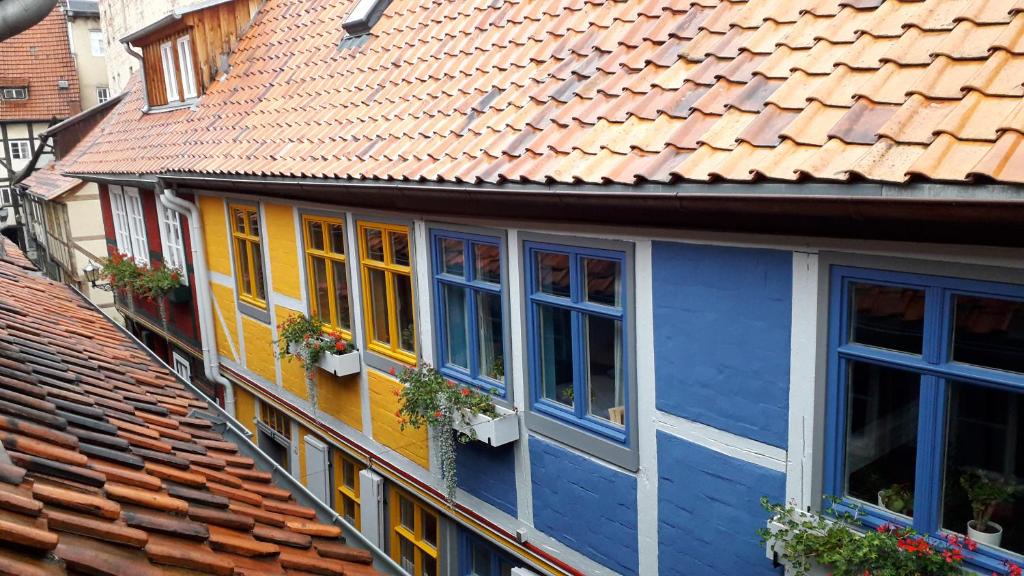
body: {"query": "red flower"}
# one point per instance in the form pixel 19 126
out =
pixel 1012 569
pixel 971 544
pixel 392 371
pixel 465 392
pixel 451 385
pixel 884 528
pixel 398 413
pixel 339 345
pixel 437 414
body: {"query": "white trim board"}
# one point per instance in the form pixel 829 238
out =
pixel 723 442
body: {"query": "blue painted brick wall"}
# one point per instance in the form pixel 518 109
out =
pixel 709 511
pixel 588 506
pixel 488 473
pixel 721 337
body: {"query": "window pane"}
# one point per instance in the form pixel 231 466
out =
pixel 407 555
pixel 239 221
pixel 601 279
pixel 491 337
pixel 242 260
pixel 336 233
pixel 881 435
pixel 348 474
pixel 989 332
pixel 888 317
pixel 343 317
pixel 604 369
pixel 350 509
pixel 374 244
pixel 379 306
pixel 316 235
pixel 553 273
pixel 257 262
pixel 453 257
pixel 985 450
pixel 321 291
pixel 399 248
pixel 404 312
pixel 430 529
pixel 407 513
pixel 456 326
pixel 429 566
pixel 555 334
pixel 481 561
pixel 254 223
pixel 487 262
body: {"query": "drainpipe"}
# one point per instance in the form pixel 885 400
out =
pixel 207 334
pixel 142 73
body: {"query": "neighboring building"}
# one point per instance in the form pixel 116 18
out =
pixel 38 87
pixel 705 252
pixel 89 47
pixel 62 217
pixel 111 464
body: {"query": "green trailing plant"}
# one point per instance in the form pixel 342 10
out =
pixel 121 271
pixel 986 490
pixel 428 399
pixel 898 498
pixel 836 541
pixel 306 339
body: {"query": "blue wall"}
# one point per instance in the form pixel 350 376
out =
pixel 588 506
pixel 721 337
pixel 709 511
pixel 488 473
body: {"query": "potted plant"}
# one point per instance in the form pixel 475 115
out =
pixel 428 399
pixel 897 498
pixel 986 490
pixel 122 272
pixel 155 284
pixel 306 339
pixel 835 544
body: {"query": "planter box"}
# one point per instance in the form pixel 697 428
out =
pixel 180 295
pixel 497 431
pixel 340 364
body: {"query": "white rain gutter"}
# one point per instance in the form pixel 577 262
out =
pixel 207 335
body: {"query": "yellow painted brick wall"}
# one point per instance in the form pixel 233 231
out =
pixel 225 315
pixel 218 255
pixel 281 246
pixel 339 397
pixel 411 443
pixel 293 377
pixel 245 408
pixel 259 348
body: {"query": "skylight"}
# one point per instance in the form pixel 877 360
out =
pixel 364 16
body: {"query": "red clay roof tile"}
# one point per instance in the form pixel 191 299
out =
pixel 40 59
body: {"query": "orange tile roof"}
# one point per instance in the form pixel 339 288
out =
pixel 611 91
pixel 107 465
pixel 38 58
pixel 49 183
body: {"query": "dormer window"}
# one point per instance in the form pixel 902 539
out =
pixel 170 70
pixel 14 93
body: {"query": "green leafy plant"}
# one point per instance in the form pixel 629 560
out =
pixel 898 498
pixel 986 490
pixel 837 542
pixel 306 339
pixel 121 270
pixel 155 283
pixel 428 399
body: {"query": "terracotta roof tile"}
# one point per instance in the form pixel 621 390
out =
pixel 44 50
pixel 75 393
pixel 594 92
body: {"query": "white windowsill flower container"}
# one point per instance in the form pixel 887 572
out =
pixel 338 364
pixel 496 431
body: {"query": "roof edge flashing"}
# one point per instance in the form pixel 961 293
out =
pixel 365 14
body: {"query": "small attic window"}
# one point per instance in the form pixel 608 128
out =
pixel 14 93
pixel 364 16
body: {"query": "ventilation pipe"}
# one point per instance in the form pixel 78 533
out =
pixel 16 16
pixel 207 334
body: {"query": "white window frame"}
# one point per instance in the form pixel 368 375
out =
pixel 23 148
pixel 171 241
pixel 14 93
pixel 102 94
pixel 97 43
pixel 120 216
pixel 186 67
pixel 170 72
pixel 181 366
pixel 6 196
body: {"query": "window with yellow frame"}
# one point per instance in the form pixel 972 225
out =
pixel 414 535
pixel 326 272
pixel 346 477
pixel 384 257
pixel 245 235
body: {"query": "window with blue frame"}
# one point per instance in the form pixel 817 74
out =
pixel 468 281
pixel 478 558
pixel 926 405
pixel 577 335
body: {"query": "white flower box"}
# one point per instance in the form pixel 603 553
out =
pixel 497 431
pixel 340 364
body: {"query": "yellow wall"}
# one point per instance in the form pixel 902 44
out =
pixel 293 377
pixel 281 246
pixel 411 443
pixel 225 315
pixel 215 231
pixel 301 439
pixel 259 348
pixel 339 397
pixel 245 408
